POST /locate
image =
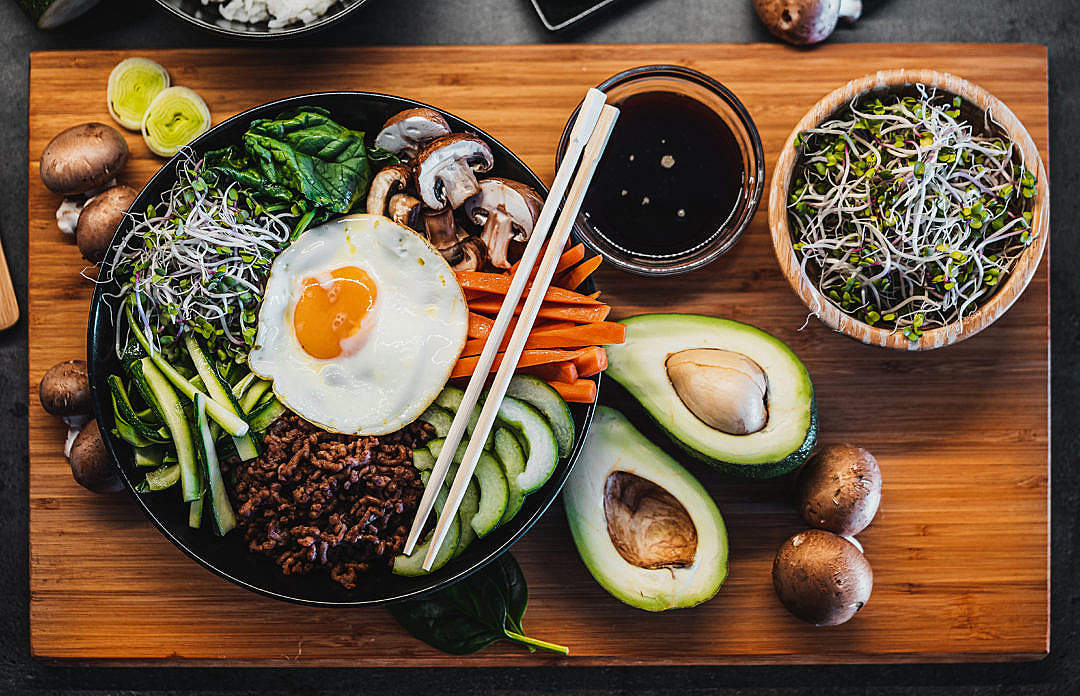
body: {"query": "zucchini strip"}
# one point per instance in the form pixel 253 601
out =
pixel 160 479
pixel 221 510
pixel 220 391
pixel 172 411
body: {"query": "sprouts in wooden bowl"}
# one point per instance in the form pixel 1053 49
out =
pixel 909 209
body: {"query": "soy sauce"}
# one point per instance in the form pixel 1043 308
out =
pixel 670 178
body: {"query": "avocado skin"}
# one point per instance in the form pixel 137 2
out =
pixel 758 471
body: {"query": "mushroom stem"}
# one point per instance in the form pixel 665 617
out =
pixel 458 181
pixel 442 233
pixel 496 235
pixel 850 10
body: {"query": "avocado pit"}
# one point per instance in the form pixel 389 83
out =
pixel 726 390
pixel 648 526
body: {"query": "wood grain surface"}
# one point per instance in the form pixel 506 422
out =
pixel 959 548
pixel 9 305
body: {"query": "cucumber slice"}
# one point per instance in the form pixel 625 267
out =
pixel 221 510
pixel 541 396
pixel 450 399
pixel 422 459
pixel 439 418
pixel 470 505
pixel 263 415
pixel 493 494
pixel 219 390
pixel 160 479
pixel 242 385
pixel 253 395
pixel 436 445
pixel 542 452
pixel 510 455
pixel 168 404
pixel 412 566
pixel 194 519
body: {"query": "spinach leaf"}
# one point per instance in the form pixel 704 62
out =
pixel 302 157
pixel 487 606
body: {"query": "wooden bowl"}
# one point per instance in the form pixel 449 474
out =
pixel 976 102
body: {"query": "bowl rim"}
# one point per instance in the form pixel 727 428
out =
pixel 284 33
pixel 101 399
pixel 823 308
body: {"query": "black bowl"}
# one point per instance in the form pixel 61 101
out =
pixel 229 556
pixel 208 18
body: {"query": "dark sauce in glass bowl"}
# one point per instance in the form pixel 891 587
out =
pixel 670 178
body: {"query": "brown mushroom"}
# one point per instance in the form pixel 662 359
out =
pixel 507 211
pixel 99 220
pixel 804 22
pixel 442 233
pixel 473 254
pixel 83 158
pixel 65 389
pixel 839 489
pixel 822 578
pixel 389 181
pixel 446 169
pixel 406 210
pixel 405 133
pixel 91 464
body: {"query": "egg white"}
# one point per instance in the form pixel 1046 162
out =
pixel 418 326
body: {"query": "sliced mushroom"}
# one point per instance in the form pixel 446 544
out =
pixel 91 465
pixel 405 133
pixel 473 254
pixel 803 22
pixel 406 210
pixel 99 220
pixel 446 169
pixel 441 231
pixel 65 389
pixel 390 180
pixel 82 158
pixel 507 211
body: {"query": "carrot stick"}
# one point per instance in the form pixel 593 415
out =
pixel 479 326
pixel 590 361
pixel 571 256
pixel 551 325
pixel 577 275
pixel 594 295
pixel 465 366
pixel 498 284
pixel 583 391
pixel 576 336
pixel 579 313
pixel 565 372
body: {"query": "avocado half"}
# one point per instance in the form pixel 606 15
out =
pixel 646 529
pixel 790 430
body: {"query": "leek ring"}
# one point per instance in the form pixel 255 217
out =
pixel 176 117
pixel 133 84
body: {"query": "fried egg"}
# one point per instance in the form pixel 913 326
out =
pixel 360 325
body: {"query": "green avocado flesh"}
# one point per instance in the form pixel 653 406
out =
pixel 790 430
pixel 646 529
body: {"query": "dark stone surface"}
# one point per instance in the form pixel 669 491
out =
pixel 138 23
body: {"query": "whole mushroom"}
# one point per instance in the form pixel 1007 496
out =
pixel 822 578
pixel 804 22
pixel 65 389
pixel 507 210
pixel 91 465
pixel 83 158
pixel 390 180
pixel 100 218
pixel 839 489
pixel 446 169
pixel 405 133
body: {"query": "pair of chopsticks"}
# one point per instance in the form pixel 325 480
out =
pixel 588 138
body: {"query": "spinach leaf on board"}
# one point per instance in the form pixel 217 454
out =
pixel 487 606
pixel 302 157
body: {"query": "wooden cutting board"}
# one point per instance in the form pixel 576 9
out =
pixel 959 548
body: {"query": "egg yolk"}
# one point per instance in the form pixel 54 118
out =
pixel 332 309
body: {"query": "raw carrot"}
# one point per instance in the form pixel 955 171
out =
pixel 577 275
pixel 479 326
pixel 590 361
pixel 465 366
pixel 576 336
pixel 551 325
pixel 565 372
pixel 594 295
pixel 498 284
pixel 578 313
pixel 582 391
pixel 570 257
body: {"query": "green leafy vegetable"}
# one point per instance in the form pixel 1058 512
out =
pixel 301 157
pixel 487 606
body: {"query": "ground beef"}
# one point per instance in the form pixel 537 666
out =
pixel 317 500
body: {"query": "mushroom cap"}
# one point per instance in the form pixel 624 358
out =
pixel 99 220
pixel 65 389
pixel 406 132
pixel 821 578
pixel 83 158
pixel 445 169
pixel 91 465
pixel 839 489
pixel 805 22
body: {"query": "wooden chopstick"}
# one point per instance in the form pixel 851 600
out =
pixel 9 307
pixel 594 150
pixel 588 115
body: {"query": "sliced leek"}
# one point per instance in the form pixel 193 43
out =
pixel 133 85
pixel 176 117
